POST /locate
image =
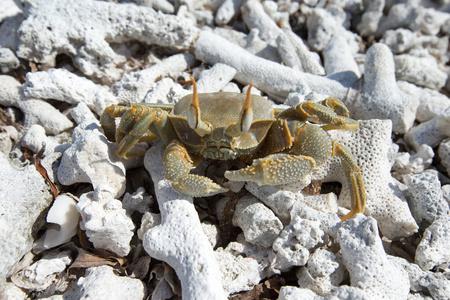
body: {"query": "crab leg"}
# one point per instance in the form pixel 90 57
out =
pixel 314 112
pixel 350 166
pixel 139 123
pixel 177 165
pixel 336 105
pixel 128 137
pixel 107 119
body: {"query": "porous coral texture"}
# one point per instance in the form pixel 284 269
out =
pixel 370 145
pixel 84 30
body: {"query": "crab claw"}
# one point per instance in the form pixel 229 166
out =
pixel 274 169
pixel 177 165
pixel 197 186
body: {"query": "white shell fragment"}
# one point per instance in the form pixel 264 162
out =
pixel 323 24
pixel 8 60
pixel 373 11
pixel 227 10
pixel 35 139
pixel 250 42
pixel 42 113
pixel 165 91
pixel 106 223
pixel 179 240
pixel 444 154
pixel 36 111
pixel 415 17
pixel 296 55
pixel 291 247
pixel 9 91
pixel 215 79
pixel 431 132
pixel 279 201
pixel 255 16
pixel 12 291
pixel 82 114
pixel 148 221
pixel 421 70
pixel 339 62
pixel 63 213
pixel 343 292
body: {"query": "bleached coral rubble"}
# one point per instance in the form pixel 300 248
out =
pixel 62 63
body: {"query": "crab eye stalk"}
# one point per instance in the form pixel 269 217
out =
pixel 247 113
pixel 193 114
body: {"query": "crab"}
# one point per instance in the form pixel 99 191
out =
pixel 280 146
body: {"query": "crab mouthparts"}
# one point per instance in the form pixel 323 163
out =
pixel 222 153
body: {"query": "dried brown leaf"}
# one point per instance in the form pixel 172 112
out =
pixel 111 256
pixel 100 253
pixel 269 289
pixel 89 260
pixel 172 279
pixel 40 168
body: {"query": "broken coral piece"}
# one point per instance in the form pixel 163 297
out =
pixel 106 223
pixel 366 261
pixel 91 159
pixel 380 96
pixel 52 28
pixel 179 240
pixel 104 283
